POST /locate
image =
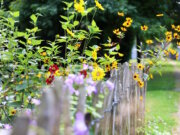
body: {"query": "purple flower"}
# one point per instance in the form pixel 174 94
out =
pixel 33 122
pixel 79 79
pixel 72 76
pixel 91 89
pixel 91 82
pixel 91 68
pixel 110 85
pixel 28 112
pixel 7 126
pixel 69 83
pixel 80 127
pixel 85 66
pixel 36 101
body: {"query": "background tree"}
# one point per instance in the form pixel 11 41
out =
pixel 143 12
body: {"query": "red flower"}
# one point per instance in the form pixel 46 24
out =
pixel 84 73
pixel 53 68
pixel 50 79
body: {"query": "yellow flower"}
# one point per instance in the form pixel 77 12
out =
pixel 66 72
pixel 77 46
pixel 13 112
pixel 173 26
pixel 149 42
pixel 116 31
pixel 177 56
pixel 58 73
pixel 178 43
pixel 79 7
pixel 123 29
pixel 114 65
pixel 94 55
pixel 168 36
pixel 151 76
pixel 136 77
pixel 140 66
pixel 98 74
pixel 160 15
pixel 47 74
pixel 70 33
pixel 127 24
pixel 84 61
pixel 98 5
pixel 95 65
pixel 43 54
pixel 128 19
pixel 144 28
pixel 120 14
pixel 108 68
pixel 140 83
pixel 39 75
pixel 178 28
pixel 176 35
pixel 173 52
pixel 21 82
pixel 166 52
pixel 150 63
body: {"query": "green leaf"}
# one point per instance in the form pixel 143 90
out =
pixel 71 17
pixel 36 42
pixel 34 18
pixel 20 87
pixel 15 104
pixel 117 47
pixel 76 23
pixel 15 14
pixel 93 23
pixel 88 53
pixel 64 17
pixel 90 9
pixel 113 53
pixel 68 4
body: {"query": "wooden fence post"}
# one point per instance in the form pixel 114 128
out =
pixel 123 110
pixel 21 126
pixel 50 109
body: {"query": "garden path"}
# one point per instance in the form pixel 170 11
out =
pixel 176 131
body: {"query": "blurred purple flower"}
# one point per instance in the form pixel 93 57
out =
pixel 69 83
pixel 28 112
pixel 91 68
pixel 85 66
pixel 110 85
pixel 76 93
pixel 91 82
pixel 80 127
pixel 72 76
pixel 79 79
pixel 33 122
pixel 7 126
pixel 91 89
pixel 36 101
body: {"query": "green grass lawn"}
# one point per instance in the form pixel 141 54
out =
pixel 161 103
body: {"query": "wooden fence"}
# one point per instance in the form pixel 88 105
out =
pixel 122 113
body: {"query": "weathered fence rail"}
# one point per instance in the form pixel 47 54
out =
pixel 122 113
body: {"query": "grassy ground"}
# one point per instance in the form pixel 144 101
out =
pixel 162 101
